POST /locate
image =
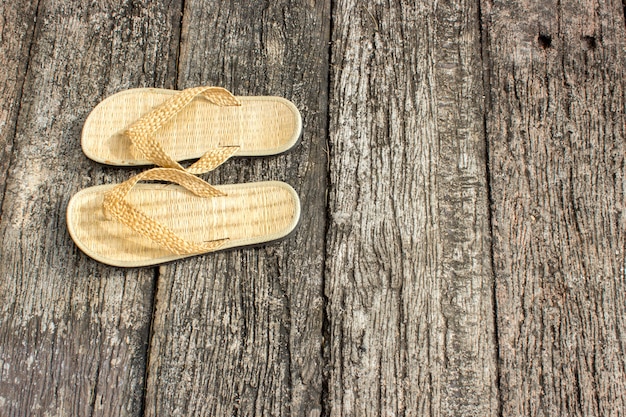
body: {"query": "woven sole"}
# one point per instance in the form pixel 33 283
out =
pixel 249 215
pixel 261 126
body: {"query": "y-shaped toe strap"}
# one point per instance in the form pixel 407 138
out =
pixel 141 132
pixel 115 205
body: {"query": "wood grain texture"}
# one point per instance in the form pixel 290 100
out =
pixel 556 137
pixel 389 307
pixel 73 333
pixel 17 25
pixel 408 271
pixel 240 333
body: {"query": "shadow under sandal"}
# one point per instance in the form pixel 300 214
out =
pixel 146 126
pixel 131 224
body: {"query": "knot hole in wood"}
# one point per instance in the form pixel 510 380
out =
pixel 545 41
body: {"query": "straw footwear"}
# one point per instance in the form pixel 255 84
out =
pixel 146 126
pixel 131 224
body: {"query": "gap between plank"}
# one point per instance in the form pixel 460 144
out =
pixel 180 42
pixel 485 62
pixel 326 334
pixel 155 289
pixel 157 269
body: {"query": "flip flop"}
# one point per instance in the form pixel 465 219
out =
pixel 146 126
pixel 131 224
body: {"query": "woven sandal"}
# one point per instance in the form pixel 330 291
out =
pixel 146 126
pixel 131 224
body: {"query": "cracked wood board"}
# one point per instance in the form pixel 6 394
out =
pixel 73 333
pixel 555 125
pixel 240 332
pixel 408 271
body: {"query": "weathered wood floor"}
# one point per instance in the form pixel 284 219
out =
pixel 462 247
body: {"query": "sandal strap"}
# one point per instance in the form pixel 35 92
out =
pixel 141 132
pixel 115 205
pixel 211 159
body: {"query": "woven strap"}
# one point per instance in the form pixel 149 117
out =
pixel 142 131
pixel 115 205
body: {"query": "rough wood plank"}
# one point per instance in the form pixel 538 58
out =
pixel 74 333
pixel 556 138
pixel 17 24
pixel 409 278
pixel 240 333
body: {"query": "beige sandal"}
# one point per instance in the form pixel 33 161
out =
pixel 156 223
pixel 163 127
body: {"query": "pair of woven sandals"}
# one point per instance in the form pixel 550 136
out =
pixel 138 224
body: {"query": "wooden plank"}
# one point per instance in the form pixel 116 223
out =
pixel 240 333
pixel 556 138
pixel 409 278
pixel 17 24
pixel 74 333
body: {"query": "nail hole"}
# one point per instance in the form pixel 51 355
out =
pixel 545 41
pixel 590 42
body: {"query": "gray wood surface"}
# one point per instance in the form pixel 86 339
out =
pixel 73 333
pixel 408 262
pixel 249 338
pixel 461 250
pixel 555 125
